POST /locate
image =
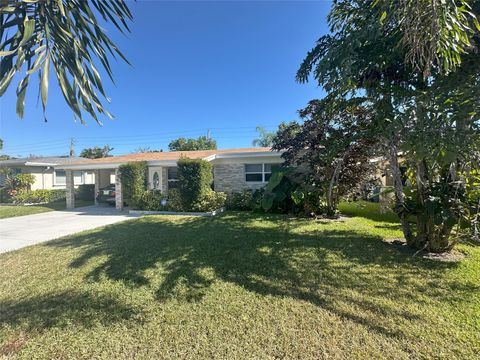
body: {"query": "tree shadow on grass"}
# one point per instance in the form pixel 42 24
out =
pixel 268 255
pixel 63 309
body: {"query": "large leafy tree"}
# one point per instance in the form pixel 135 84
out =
pixel 63 37
pixel 435 32
pixel 188 144
pixel 432 120
pixel 331 149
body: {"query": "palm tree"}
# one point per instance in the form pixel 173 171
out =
pixel 63 36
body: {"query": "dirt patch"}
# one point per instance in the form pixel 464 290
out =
pixel 449 256
pixel 14 344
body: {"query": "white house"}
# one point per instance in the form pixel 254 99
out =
pixel 48 171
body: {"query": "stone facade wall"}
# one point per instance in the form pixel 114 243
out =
pixel 230 178
pixel 118 191
pixel 164 180
pixel 70 190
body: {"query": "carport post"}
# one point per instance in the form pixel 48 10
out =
pixel 96 174
pixel 70 189
pixel 118 191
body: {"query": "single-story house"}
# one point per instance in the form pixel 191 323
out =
pixel 48 171
pixel 233 169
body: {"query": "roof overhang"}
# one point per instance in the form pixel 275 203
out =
pixel 115 165
pixel 244 155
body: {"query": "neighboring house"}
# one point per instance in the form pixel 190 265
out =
pixel 47 171
pixel 233 170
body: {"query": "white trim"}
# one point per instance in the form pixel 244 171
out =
pixel 263 173
pixel 55 177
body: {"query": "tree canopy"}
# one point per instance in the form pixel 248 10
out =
pixel 425 107
pixel 38 36
pixel 264 139
pixel 188 144
pixel 96 152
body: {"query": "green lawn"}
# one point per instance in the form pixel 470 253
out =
pixel 237 286
pixel 7 211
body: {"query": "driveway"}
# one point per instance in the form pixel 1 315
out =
pixel 21 231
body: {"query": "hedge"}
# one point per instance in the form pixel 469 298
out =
pixel 24 196
pixel 134 181
pixel 195 177
pixel 85 192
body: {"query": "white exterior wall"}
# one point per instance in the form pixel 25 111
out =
pixel 45 177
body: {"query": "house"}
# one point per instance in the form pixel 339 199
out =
pixel 233 169
pixel 47 171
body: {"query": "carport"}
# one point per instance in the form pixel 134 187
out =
pixel 104 174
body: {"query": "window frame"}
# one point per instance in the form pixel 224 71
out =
pixel 55 182
pixel 263 172
pixel 175 180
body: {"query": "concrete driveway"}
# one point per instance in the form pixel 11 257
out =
pixel 21 231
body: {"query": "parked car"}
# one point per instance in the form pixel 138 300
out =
pixel 106 195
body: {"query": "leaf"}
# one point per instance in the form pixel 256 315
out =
pixel 383 17
pixel 21 92
pixel 44 82
pixel 6 81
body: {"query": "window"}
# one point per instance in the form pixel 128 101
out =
pixel 172 177
pixel 60 177
pixel 258 172
pixel 78 177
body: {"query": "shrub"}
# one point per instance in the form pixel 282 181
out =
pixel 175 200
pixel 24 196
pixel 150 200
pixel 195 177
pixel 134 181
pixel 5 196
pixel 56 195
pixel 210 201
pixel 240 200
pixel 85 192
pixel 20 182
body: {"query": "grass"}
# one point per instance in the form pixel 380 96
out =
pixel 237 286
pixel 7 211
pixel 369 210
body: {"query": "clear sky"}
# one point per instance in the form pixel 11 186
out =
pixel 219 65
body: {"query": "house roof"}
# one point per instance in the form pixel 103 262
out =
pixel 171 155
pixel 42 161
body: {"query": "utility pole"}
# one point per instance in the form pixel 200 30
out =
pixel 208 133
pixel 72 147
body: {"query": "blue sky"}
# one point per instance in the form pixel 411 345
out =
pixel 219 65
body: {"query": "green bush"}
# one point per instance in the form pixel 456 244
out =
pixel 134 181
pixel 175 201
pixel 195 177
pixel 5 196
pixel 24 196
pixel 210 201
pixel 150 200
pixel 56 195
pixel 85 192
pixel 240 201
pixel 20 182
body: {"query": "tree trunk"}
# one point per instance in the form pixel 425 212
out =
pixel 399 196
pixel 331 201
pixel 424 220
